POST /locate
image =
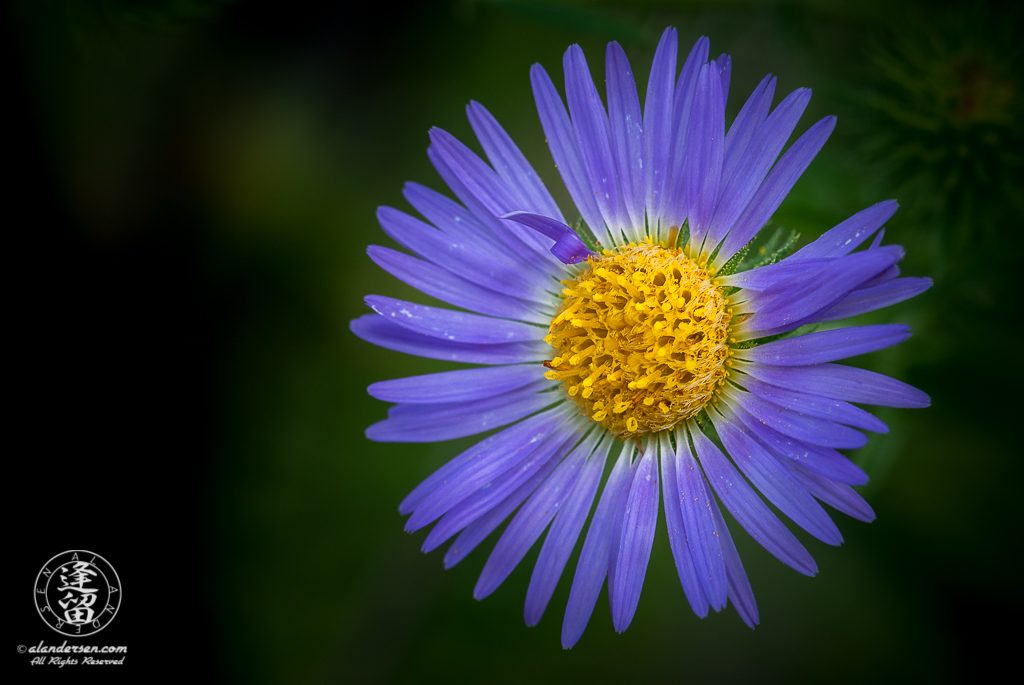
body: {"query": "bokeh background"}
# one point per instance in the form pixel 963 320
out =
pixel 192 188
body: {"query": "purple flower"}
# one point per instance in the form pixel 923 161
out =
pixel 660 354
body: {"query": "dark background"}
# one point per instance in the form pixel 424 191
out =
pixel 191 189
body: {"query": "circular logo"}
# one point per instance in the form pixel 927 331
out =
pixel 78 593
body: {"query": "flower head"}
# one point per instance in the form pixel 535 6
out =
pixel 646 341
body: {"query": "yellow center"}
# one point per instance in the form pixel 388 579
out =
pixel 641 339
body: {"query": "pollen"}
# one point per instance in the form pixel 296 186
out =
pixel 641 338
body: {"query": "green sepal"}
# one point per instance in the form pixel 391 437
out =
pixel 803 330
pixel 714 253
pixel 734 262
pixel 684 234
pixel 587 236
pixel 769 253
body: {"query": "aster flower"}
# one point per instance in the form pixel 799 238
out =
pixel 659 352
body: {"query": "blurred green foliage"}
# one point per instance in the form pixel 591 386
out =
pixel 263 137
pixel 947 103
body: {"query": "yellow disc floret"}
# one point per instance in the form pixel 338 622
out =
pixel 641 338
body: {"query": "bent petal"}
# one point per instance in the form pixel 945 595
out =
pixel 568 247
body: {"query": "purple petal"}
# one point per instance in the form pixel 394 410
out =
pixel 748 509
pixel 764 277
pixel 747 173
pixel 686 84
pixel 785 302
pixel 773 191
pixel 451 325
pixel 800 426
pixel 877 297
pixel 463 385
pixel 674 205
pixel 593 563
pixel 562 536
pixel 562 142
pixel 677 537
pixel 702 537
pixel 480 466
pixel 823 460
pixel 658 124
pixel 568 247
pixel 492 493
pixel 447 287
pixel 379 331
pixel 615 541
pixel 773 480
pixel 436 422
pixel 590 122
pixel 449 216
pixel 626 127
pixel 739 587
pixel 800 296
pixel 888 275
pixel 512 237
pixel 751 117
pixel 838 495
pixel 478 530
pixel 510 163
pixel 463 260
pixel 455 220
pixel 481 181
pixel 534 516
pixel 498 446
pixel 846 236
pixel 638 526
pixel 812 405
pixel 827 346
pixel 705 147
pixel 724 74
pixel 840 382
